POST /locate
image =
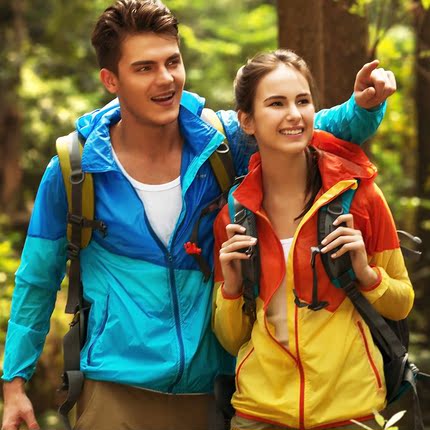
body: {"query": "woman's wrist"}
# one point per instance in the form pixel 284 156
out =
pixel 368 278
pixel 231 291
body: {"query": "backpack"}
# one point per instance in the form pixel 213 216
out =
pixel 80 224
pixel 391 337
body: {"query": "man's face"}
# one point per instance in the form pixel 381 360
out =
pixel 150 79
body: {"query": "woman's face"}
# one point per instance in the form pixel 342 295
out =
pixel 283 118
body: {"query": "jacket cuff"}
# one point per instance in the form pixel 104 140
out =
pixel 227 296
pixel 377 283
pixel 376 291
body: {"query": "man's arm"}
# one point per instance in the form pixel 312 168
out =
pixel 37 281
pixel 358 119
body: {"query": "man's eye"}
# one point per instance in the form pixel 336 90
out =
pixel 173 62
pixel 144 69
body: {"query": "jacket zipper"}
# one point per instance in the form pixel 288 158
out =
pixel 174 290
pixel 296 359
pixel 302 375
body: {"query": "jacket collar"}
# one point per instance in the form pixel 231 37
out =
pixel 94 127
pixel 338 161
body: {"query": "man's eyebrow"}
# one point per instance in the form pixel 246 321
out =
pixel 150 62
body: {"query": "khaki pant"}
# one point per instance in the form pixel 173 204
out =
pixel 239 423
pixel 109 406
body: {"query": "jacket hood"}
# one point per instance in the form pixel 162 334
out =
pixel 338 160
pixel 94 127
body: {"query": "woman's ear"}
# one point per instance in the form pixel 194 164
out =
pixel 109 80
pixel 246 122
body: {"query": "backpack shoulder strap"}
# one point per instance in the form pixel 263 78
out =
pixel 338 270
pixel 221 160
pixel 251 267
pixel 80 223
pixel 69 150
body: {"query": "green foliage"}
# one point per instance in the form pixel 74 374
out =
pixel 382 422
pixel 396 137
pixel 8 264
pixel 217 39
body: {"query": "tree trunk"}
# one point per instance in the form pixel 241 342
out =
pixel 12 36
pixel 300 28
pixel 422 97
pixel 422 100
pixel 331 40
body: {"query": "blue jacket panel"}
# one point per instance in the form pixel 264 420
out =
pixel 149 323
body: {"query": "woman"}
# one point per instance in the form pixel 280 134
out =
pixel 298 368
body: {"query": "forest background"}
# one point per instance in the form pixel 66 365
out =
pixel 49 77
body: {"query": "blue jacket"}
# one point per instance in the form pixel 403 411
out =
pixel 149 324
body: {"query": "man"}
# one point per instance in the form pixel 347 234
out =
pixel 150 356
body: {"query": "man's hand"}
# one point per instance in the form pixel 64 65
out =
pixel 373 85
pixel 17 407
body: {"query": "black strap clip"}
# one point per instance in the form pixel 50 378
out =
pixel 315 305
pixel 73 251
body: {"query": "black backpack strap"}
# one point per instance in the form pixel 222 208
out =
pixel 250 267
pixel 399 372
pixel 334 268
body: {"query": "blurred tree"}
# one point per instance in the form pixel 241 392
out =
pixel 331 38
pixel 422 99
pixel 13 34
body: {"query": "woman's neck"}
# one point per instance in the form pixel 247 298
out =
pixel 284 175
pixel 284 189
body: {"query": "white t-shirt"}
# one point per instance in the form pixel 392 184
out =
pixel 277 309
pixel 162 203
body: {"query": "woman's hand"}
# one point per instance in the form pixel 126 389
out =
pixel 350 240
pixel 230 256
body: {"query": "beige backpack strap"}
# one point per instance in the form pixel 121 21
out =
pixel 221 160
pixel 69 150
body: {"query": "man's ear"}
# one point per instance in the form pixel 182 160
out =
pixel 246 122
pixel 109 80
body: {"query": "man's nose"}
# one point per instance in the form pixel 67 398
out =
pixel 165 76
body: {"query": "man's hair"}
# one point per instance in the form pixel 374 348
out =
pixel 126 18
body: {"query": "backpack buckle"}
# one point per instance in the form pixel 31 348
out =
pixel 75 219
pixel 239 216
pixel 73 251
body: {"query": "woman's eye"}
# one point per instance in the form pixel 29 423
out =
pixel 276 104
pixel 303 101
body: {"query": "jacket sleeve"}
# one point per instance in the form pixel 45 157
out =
pixel 38 277
pixel 349 121
pixel 230 325
pixel 392 295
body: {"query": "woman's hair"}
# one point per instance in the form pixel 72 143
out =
pixel 245 88
pixel 249 76
pixel 126 18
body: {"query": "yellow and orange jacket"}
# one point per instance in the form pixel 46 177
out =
pixel 332 371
